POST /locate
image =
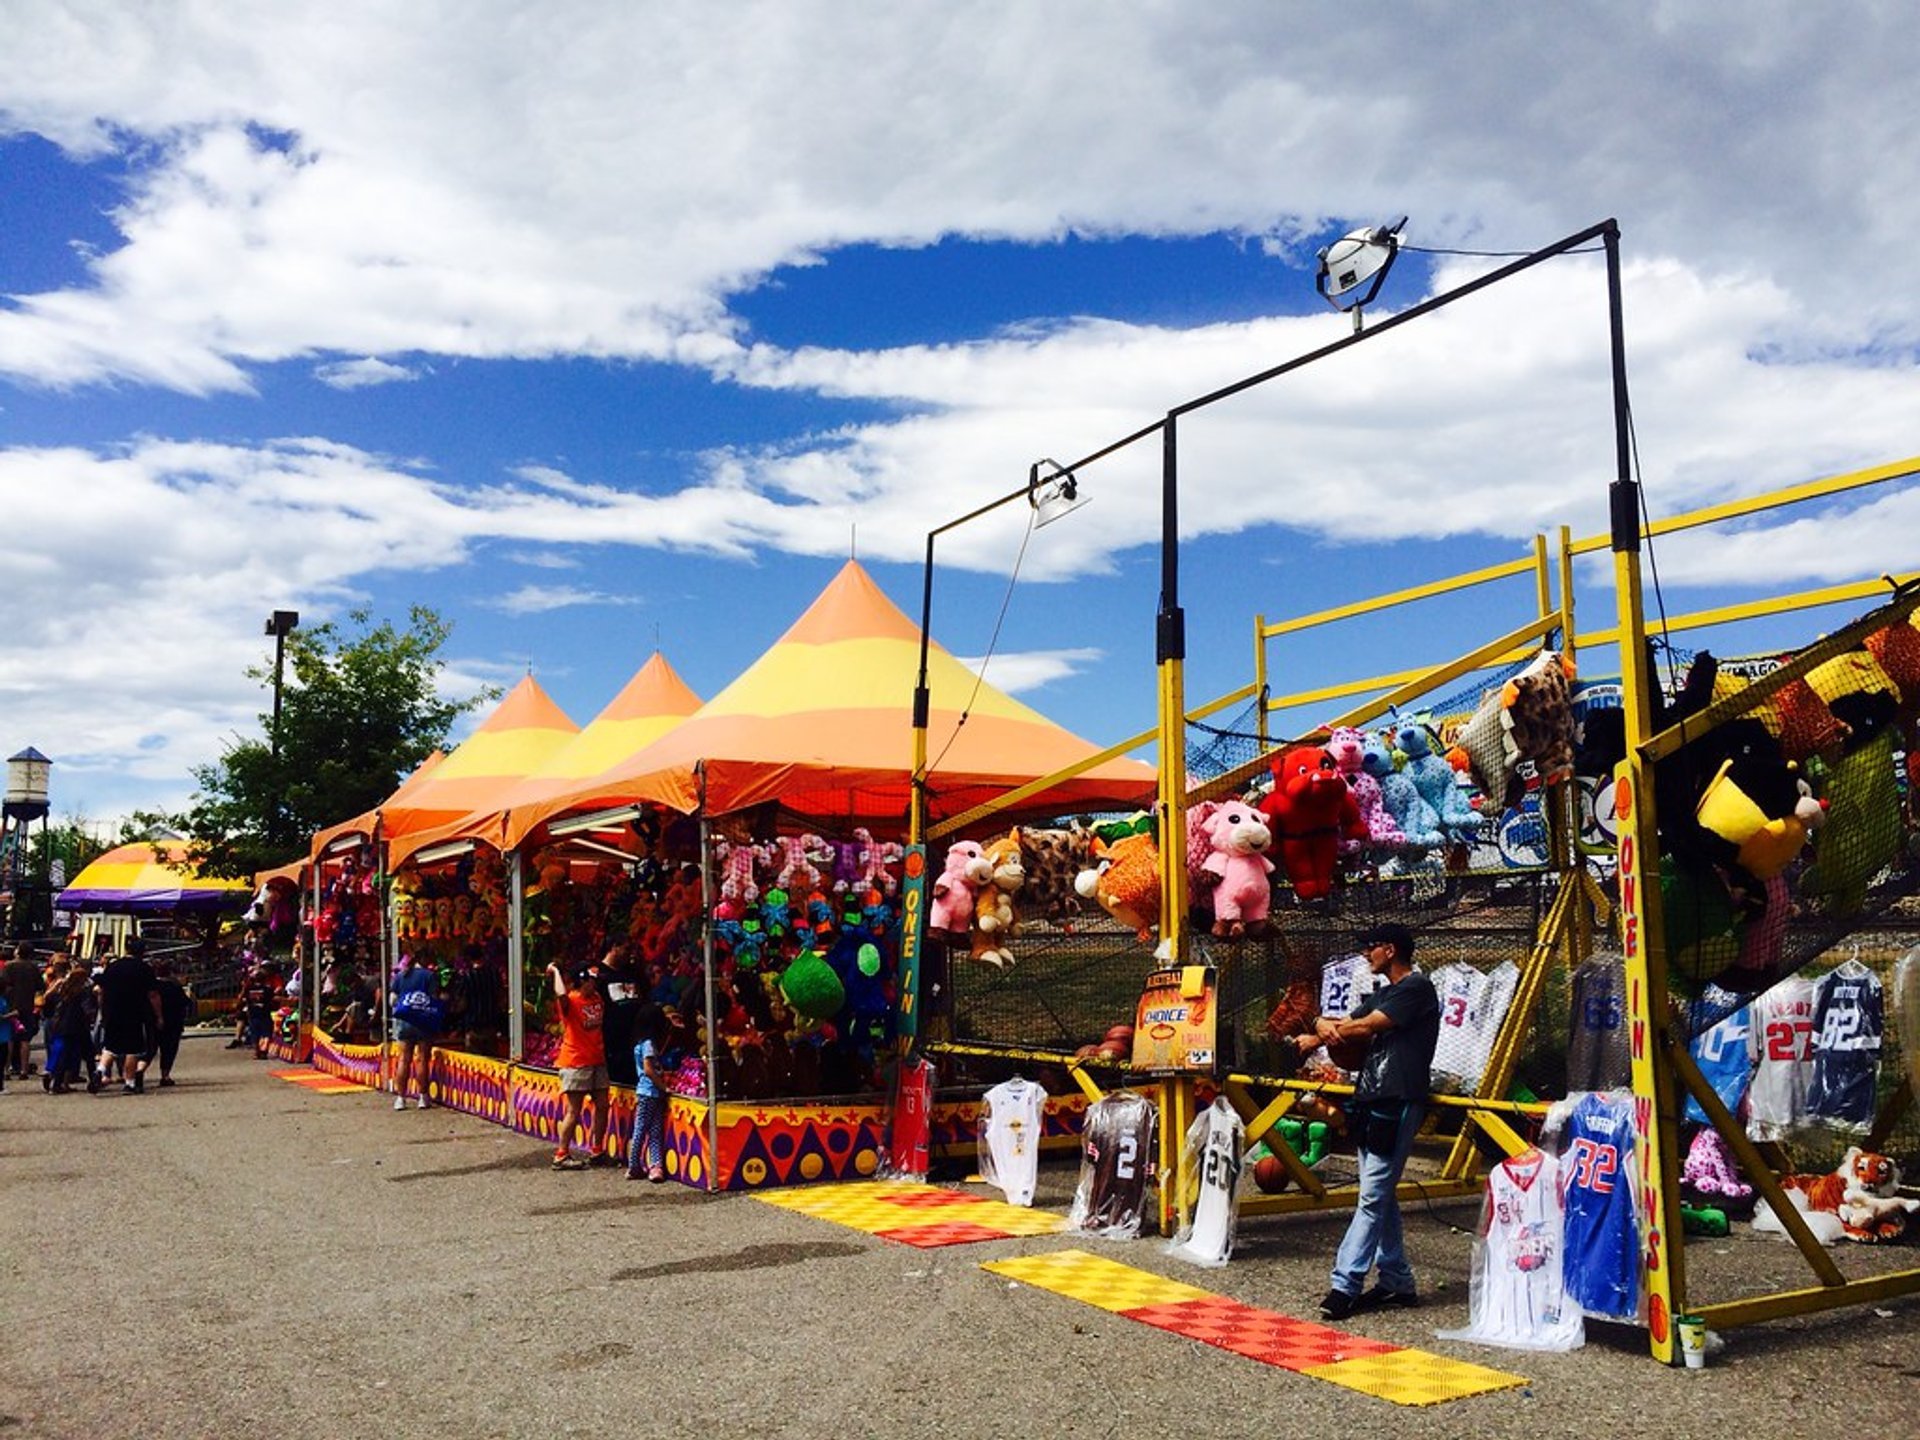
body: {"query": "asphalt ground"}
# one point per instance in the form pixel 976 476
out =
pixel 239 1257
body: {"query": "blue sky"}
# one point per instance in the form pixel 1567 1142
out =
pixel 587 326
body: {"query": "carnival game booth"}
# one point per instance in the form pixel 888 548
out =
pixel 752 859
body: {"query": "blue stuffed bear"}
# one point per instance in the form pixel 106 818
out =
pixel 1434 778
pixel 1419 822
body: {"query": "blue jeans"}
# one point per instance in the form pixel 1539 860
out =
pixel 1374 1236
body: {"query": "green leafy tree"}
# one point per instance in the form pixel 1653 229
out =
pixel 360 709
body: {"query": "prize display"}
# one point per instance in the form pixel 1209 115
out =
pixel 1472 1006
pixel 1119 1141
pixel 1597 1033
pixel 1009 1141
pixel 1849 1019
pixel 1601 1255
pixel 1517 1297
pixel 1212 1160
pixel 1780 1041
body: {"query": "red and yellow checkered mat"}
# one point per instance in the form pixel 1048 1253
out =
pixel 317 1081
pixel 913 1214
pixel 1390 1372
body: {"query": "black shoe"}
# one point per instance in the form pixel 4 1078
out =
pixel 46 1083
pixel 1339 1305
pixel 165 1081
pixel 93 1083
pixel 1381 1298
pixel 601 1161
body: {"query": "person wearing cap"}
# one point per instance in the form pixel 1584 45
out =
pixel 582 1062
pixel 1401 1025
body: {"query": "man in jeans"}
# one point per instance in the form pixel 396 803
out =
pixel 1401 1023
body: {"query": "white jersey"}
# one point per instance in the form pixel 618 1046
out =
pixel 1518 1298
pixel 1472 1005
pixel 1780 1041
pixel 1009 1147
pixel 1213 1157
pixel 1344 982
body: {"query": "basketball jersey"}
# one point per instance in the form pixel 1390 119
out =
pixel 1518 1296
pixel 909 1127
pixel 1344 982
pixel 1602 1256
pixel 1472 1007
pixel 1597 1034
pixel 1010 1138
pixel 1849 1022
pixel 1721 1051
pixel 1213 1156
pixel 1116 1161
pixel 1780 1040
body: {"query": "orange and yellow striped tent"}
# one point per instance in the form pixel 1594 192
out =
pixel 361 826
pixel 821 724
pixel 649 705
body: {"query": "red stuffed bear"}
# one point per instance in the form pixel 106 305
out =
pixel 1311 811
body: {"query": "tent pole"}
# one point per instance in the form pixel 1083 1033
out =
pixel 389 951
pixel 516 960
pixel 706 954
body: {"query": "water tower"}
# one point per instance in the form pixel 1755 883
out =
pixel 26 801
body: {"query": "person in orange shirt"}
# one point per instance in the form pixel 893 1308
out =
pixel 582 1062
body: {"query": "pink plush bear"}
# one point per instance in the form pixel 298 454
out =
pixel 1348 747
pixel 799 858
pixel 1240 839
pixel 953 892
pixel 875 857
pixel 736 862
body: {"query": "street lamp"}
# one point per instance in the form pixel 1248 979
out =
pixel 1358 258
pixel 280 624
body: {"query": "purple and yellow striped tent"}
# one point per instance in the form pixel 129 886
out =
pixel 149 877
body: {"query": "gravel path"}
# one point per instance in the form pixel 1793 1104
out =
pixel 239 1257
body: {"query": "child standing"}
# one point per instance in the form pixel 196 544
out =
pixel 649 1097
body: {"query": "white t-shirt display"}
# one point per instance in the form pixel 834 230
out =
pixel 1009 1149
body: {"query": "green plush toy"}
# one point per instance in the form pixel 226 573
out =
pixel 812 988
pixel 1700 923
pixel 1862 833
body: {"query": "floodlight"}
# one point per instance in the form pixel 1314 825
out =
pixel 1054 494
pixel 603 820
pixel 1360 258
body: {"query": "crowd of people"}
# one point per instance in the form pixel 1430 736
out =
pixel 105 1020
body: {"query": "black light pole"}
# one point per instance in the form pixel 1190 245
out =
pixel 280 624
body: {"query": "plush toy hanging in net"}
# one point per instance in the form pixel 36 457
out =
pixel 1211 1205
pixel 1118 1144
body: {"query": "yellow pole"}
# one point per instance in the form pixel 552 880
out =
pixel 1260 676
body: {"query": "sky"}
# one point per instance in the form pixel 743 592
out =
pixel 597 328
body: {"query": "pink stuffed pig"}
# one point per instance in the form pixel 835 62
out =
pixel 953 891
pixel 1240 838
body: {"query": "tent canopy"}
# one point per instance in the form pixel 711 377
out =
pixel 821 724
pixel 649 705
pixel 362 824
pixel 149 877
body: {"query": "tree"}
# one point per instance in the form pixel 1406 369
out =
pixel 359 711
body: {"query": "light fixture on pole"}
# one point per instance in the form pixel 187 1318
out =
pixel 1054 494
pixel 280 624
pixel 1357 262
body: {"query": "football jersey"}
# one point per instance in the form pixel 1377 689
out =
pixel 1849 1022
pixel 1780 1040
pixel 1724 1059
pixel 1344 982
pixel 1116 1161
pixel 1597 1033
pixel 1518 1297
pixel 1010 1138
pixel 909 1127
pixel 1602 1257
pixel 1213 1156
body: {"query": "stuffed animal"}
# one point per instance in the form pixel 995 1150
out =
pixel 875 858
pixel 951 913
pixel 994 920
pixel 1241 899
pixel 1710 1176
pixel 1054 860
pixel 1756 813
pixel 737 860
pixel 1537 711
pixel 1310 809
pixel 846 864
pixel 798 858
pixel 1896 648
pixel 1348 747
pixel 1419 822
pixel 1860 1201
pixel 1436 781
pixel 1125 882
pixel 811 987
pixel 1861 787
pixel 1200 849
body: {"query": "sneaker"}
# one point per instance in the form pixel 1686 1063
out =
pixel 420 1103
pixel 127 1087
pixel 166 1081
pixel 46 1083
pixel 656 1174
pixel 1381 1298
pixel 601 1161
pixel 568 1162
pixel 1339 1305
pixel 93 1083
pixel 140 1084
pixel 399 1102
pixel 636 1174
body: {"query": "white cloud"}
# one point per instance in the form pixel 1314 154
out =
pixel 359 374
pixel 538 599
pixel 1017 672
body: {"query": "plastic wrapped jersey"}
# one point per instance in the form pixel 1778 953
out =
pixel 1781 1043
pixel 1517 1296
pixel 909 1122
pixel 1597 1057
pixel 1849 1023
pixel 1906 1010
pixel 1009 1145
pixel 1211 1164
pixel 1600 1263
pixel 1472 1005
pixel 1721 1051
pixel 1118 1144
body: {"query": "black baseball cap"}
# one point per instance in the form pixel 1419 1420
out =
pixel 1398 936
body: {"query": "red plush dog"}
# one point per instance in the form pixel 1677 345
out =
pixel 1310 810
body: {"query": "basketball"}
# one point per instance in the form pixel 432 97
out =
pixel 1270 1176
pixel 1349 1054
pixel 1121 1035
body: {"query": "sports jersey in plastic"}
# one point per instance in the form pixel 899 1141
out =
pixel 1780 1040
pixel 1849 1022
pixel 1721 1052
pixel 1117 1149
pixel 1597 1034
pixel 1472 1005
pixel 1344 982
pixel 1517 1296
pixel 1602 1257
pixel 1009 1148
pixel 1213 1160
pixel 910 1123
